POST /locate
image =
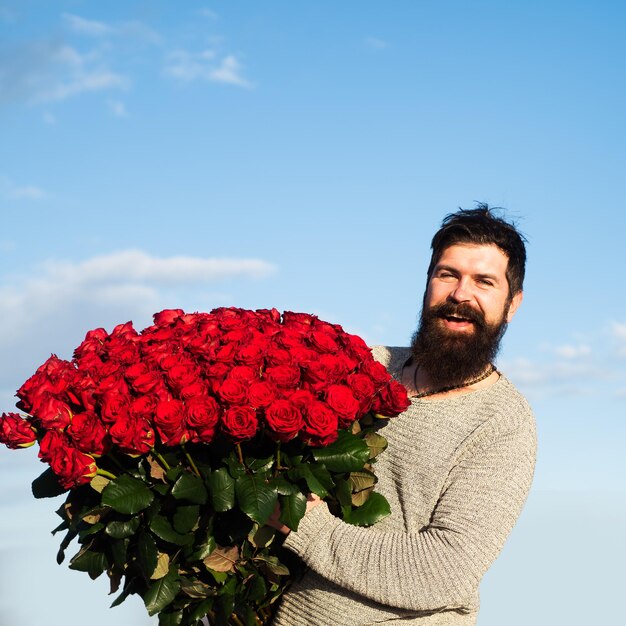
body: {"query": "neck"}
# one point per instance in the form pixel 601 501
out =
pixel 418 382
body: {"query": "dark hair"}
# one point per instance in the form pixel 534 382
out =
pixel 480 226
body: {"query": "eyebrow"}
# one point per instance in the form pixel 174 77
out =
pixel 453 270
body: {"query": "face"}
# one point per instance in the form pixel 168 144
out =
pixel 473 276
pixel 465 314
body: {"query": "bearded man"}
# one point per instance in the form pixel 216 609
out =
pixel 460 459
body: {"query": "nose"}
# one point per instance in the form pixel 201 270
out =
pixel 461 291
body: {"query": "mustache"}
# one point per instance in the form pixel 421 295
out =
pixel 462 309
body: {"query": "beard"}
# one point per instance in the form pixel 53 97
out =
pixel 452 358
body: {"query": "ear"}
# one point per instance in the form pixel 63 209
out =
pixel 515 302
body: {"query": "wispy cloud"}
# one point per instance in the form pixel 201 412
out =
pixel 618 333
pixel 585 367
pixel 376 43
pixel 211 15
pixel 117 108
pixel 58 301
pixel 205 65
pixel 94 28
pixel 84 26
pixel 11 191
pixel 52 71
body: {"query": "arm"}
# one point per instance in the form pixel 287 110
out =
pixel 440 566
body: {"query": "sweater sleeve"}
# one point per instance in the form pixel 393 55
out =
pixel 440 566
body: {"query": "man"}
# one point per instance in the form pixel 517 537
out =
pixel 460 459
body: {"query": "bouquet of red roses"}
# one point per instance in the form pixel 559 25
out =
pixel 176 444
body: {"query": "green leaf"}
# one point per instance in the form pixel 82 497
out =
pixel 119 552
pixel 129 588
pixel 322 474
pixel 257 466
pixel 361 480
pixel 191 488
pixel 256 589
pixel 261 536
pixel 343 492
pixel 203 550
pixel 47 485
pixel 375 508
pixel 273 565
pixel 222 490
pixel 292 509
pixel 171 618
pixel 202 609
pixel 128 495
pixel 161 527
pixel 303 472
pixel 147 554
pixel 255 497
pixel 122 529
pixel 64 544
pixel 348 454
pixel 94 563
pixel 376 443
pixel 186 518
pixel 283 486
pixel 162 592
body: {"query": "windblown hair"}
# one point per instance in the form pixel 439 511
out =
pixel 481 226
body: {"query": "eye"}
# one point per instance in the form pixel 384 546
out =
pixel 485 282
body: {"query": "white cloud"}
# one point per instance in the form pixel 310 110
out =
pixel 573 352
pixel 52 71
pixel 618 331
pixel 86 27
pixel 211 15
pixel 97 29
pixel 51 308
pixel 135 265
pixel 376 43
pixel 205 65
pixel 9 190
pixel 117 107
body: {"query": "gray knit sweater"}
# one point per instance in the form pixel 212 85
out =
pixel 456 474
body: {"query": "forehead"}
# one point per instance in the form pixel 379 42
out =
pixel 475 259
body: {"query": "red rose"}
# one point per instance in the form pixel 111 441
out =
pixel 299 321
pixel 261 394
pixel 72 467
pixel 363 390
pixel 323 342
pixel 320 424
pixel 88 434
pixel 16 432
pixel 167 316
pixel 392 399
pixel 301 398
pixel 341 400
pixel 202 414
pixel 233 391
pixel 239 423
pixel 357 347
pixel 169 420
pixel 284 419
pixel 52 413
pixel 113 405
pixel 376 371
pixel 132 435
pixel 283 375
pixel 244 373
pixel 278 356
pixel 193 390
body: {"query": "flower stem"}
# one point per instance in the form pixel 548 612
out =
pixel 239 453
pixel 191 462
pixel 161 460
pixel 101 472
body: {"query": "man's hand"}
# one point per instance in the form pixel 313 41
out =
pixel 274 521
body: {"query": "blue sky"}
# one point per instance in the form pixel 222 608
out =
pixel 301 155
